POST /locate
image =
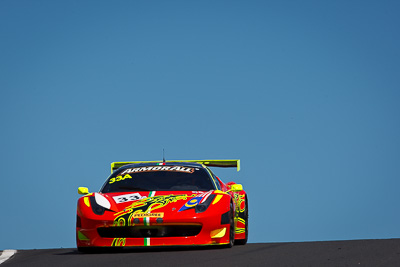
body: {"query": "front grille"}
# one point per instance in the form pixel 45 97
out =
pixel 149 231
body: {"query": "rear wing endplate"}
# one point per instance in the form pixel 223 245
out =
pixel 227 163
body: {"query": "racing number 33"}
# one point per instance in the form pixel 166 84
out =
pixel 128 197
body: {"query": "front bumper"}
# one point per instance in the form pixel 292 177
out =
pixel 199 229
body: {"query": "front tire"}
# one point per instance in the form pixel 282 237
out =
pixel 246 226
pixel 231 227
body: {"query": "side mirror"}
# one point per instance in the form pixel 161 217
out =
pixel 83 190
pixel 236 188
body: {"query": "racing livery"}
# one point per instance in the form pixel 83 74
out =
pixel 166 203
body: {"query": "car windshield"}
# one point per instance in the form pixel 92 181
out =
pixel 158 178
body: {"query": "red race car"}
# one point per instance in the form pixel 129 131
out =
pixel 168 203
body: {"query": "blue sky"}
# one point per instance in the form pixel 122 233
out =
pixel 305 93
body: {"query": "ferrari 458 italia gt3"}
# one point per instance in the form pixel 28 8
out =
pixel 167 203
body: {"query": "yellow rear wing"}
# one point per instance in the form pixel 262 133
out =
pixel 227 163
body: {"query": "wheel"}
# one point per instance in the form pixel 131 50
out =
pixel 231 227
pixel 246 226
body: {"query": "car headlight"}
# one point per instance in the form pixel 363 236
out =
pixel 99 204
pixel 202 207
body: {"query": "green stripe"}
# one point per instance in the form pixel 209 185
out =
pixel 82 236
pixel 146 220
pixel 147 241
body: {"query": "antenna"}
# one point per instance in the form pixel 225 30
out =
pixel 163 156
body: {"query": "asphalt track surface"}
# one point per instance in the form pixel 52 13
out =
pixel 330 253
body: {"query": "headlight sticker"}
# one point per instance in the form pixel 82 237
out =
pixel 128 197
pixel 102 201
pixel 193 202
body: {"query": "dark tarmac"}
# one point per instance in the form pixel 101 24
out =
pixel 384 252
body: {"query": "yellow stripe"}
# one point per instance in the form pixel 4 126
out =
pixel 86 200
pixel 241 220
pixel 240 230
pixel 218 233
pixel 217 198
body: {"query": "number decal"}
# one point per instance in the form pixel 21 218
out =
pixel 119 178
pixel 128 197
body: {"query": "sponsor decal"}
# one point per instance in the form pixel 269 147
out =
pixel 240 204
pixel 195 201
pixel 158 168
pixel 145 205
pixel 190 204
pixel 128 197
pixel 148 215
